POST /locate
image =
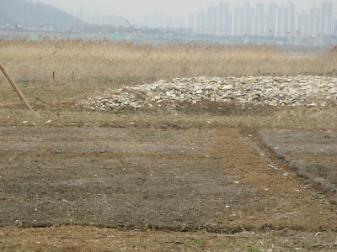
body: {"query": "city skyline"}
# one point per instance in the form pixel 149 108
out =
pixel 263 18
pixel 131 9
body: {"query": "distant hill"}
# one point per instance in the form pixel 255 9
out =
pixel 35 14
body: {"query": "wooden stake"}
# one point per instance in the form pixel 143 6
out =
pixel 16 88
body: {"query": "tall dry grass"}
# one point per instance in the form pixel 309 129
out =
pixel 98 66
pixel 139 63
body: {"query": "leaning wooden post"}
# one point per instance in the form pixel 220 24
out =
pixel 15 87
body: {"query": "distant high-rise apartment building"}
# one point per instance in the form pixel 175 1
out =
pixel 169 23
pixel 247 19
pixel 238 21
pixel 315 22
pixel 224 19
pixel 272 19
pixel 259 22
pixel 326 18
pixel 212 20
pixel 292 19
pixel 303 25
pixel 192 26
pixel 201 22
pixel 283 22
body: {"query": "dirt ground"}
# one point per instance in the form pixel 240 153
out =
pixel 215 180
pixel 161 179
pixel 312 154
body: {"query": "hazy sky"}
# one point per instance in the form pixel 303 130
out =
pixel 137 8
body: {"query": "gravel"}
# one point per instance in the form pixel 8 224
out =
pixel 266 90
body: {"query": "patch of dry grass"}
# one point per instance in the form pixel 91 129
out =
pixel 98 239
pixel 131 63
pixel 301 118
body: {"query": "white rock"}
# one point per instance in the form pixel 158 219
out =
pixel 265 90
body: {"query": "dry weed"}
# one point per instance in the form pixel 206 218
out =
pixel 139 63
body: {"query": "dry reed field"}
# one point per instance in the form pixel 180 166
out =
pixel 129 62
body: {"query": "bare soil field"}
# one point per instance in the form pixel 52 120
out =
pixel 151 179
pixel 313 155
pixel 180 180
pixel 196 178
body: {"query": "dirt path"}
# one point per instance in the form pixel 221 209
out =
pixel 180 180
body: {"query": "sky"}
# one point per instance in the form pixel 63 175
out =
pixel 138 8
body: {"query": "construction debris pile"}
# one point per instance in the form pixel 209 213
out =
pixel 266 90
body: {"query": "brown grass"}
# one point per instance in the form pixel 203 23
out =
pixel 72 238
pixel 128 63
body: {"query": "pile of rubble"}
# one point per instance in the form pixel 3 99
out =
pixel 266 90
